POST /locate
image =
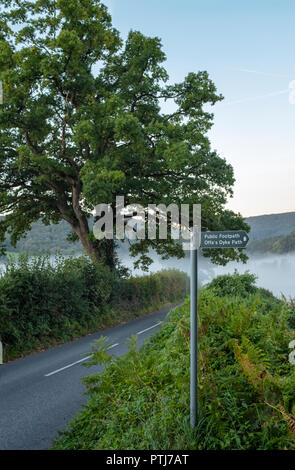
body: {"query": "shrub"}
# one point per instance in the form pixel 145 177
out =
pixel 43 303
pixel 135 293
pixel 233 285
pixel 243 286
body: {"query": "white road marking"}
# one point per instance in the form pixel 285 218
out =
pixel 77 362
pixel 147 329
pixel 88 357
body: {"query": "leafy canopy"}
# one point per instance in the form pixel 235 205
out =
pixel 83 121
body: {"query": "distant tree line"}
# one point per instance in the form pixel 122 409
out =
pixel 279 245
pixel 49 238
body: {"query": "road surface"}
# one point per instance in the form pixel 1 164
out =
pixel 41 393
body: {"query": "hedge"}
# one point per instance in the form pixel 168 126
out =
pixel 43 304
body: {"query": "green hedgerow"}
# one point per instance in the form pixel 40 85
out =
pixel 43 302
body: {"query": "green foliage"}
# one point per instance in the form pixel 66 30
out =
pixel 278 245
pixel 82 122
pixel 43 303
pixel 246 384
pixel 291 309
pixel 233 285
pixel 154 289
pixel 244 286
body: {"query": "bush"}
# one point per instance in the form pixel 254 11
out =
pixel 233 285
pixel 151 290
pixel 42 303
pixel 243 286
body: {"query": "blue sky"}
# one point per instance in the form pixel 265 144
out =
pixel 248 49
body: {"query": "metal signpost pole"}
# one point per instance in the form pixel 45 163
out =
pixel 194 337
pixel 222 239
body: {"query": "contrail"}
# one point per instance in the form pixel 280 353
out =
pixel 267 74
pixel 256 98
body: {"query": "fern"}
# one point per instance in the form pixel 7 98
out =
pixel 255 353
pixel 254 373
pixel 288 418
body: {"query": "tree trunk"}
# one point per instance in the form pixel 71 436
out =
pixel 98 250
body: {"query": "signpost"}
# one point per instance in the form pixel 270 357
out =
pixel 194 335
pixel 224 239
pixel 227 239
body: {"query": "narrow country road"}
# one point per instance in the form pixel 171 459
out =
pixel 41 393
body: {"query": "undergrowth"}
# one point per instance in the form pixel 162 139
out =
pixel 246 383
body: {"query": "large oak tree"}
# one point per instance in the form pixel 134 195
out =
pixel 83 121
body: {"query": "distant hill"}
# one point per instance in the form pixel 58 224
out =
pixel 269 233
pixel 278 245
pixel 274 233
pixel 46 238
pixel 267 226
